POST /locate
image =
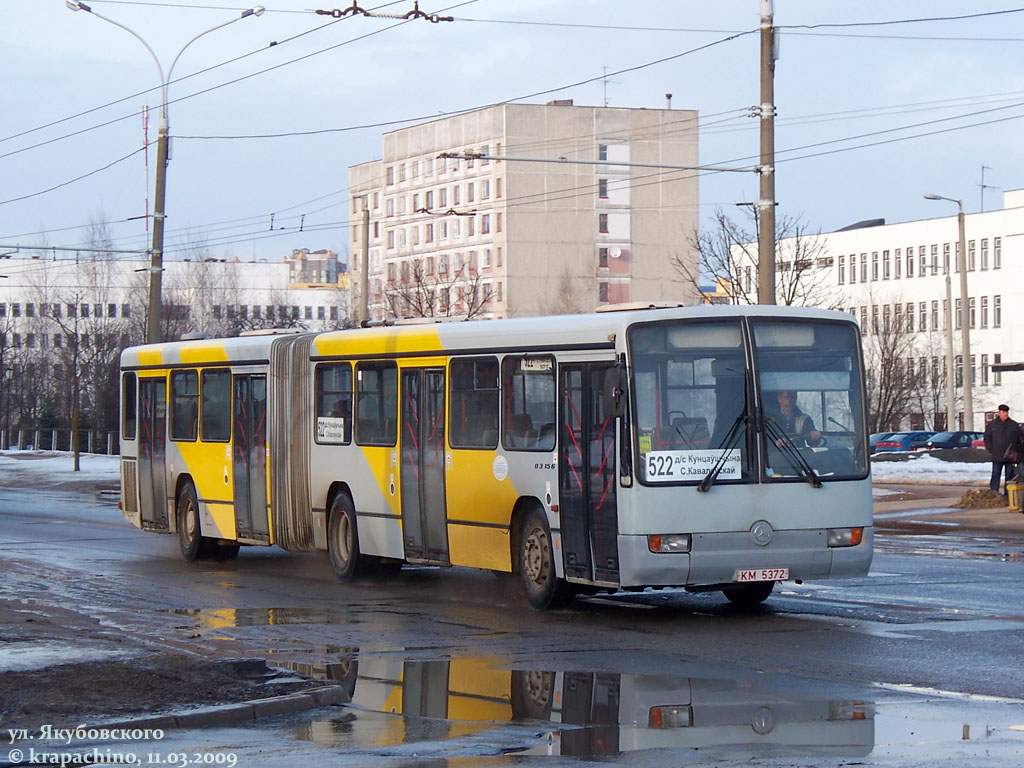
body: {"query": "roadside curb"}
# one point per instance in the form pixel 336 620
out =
pixel 243 712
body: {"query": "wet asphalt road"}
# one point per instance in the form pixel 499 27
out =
pixel 930 642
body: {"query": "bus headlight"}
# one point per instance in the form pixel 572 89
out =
pixel 668 542
pixel 670 717
pixel 845 537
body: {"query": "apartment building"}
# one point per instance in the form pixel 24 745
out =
pixel 523 209
pixel 894 276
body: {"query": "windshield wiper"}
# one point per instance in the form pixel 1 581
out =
pixel 788 448
pixel 727 444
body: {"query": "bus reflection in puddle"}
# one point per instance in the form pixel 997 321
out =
pixel 586 714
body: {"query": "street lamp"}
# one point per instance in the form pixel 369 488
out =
pixel 965 340
pixel 156 268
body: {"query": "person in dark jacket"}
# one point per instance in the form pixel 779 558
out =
pixel 1000 434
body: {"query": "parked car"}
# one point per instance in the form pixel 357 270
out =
pixel 874 437
pixel 961 439
pixel 901 441
pixel 978 443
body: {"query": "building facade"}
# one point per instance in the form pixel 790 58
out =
pixel 893 277
pixel 450 224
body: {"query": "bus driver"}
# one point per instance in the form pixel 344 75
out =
pixel 794 422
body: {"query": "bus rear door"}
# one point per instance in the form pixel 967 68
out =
pixel 153 454
pixel 586 465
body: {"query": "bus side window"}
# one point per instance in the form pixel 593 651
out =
pixel 129 407
pixel 215 406
pixel 334 404
pixel 376 403
pixel 473 411
pixel 528 392
pixel 184 405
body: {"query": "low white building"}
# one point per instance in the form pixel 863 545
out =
pixel 894 276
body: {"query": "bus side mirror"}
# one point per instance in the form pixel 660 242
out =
pixel 613 394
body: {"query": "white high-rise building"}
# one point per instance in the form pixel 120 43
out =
pixel 453 229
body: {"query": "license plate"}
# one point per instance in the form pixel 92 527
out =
pixel 761 574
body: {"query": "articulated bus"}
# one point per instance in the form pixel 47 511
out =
pixel 620 450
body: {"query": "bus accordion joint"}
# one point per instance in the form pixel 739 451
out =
pixel 845 537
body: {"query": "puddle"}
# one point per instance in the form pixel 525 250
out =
pixel 225 618
pixel 445 706
pixel 39 654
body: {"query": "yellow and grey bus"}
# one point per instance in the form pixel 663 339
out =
pixel 619 450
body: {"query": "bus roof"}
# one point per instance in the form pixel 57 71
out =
pixel 597 330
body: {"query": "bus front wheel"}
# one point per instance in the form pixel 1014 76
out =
pixel 343 539
pixel 542 587
pixel 749 595
pixel 191 542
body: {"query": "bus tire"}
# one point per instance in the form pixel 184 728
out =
pixel 343 539
pixel 749 595
pixel 543 589
pixel 191 542
pixel 532 693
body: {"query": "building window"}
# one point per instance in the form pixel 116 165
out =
pixel 910 317
pixel 390 175
pixel 470 193
pixel 984 253
pixel 874 318
pixel 391 239
pixel 997 311
pixel 602 257
pixel 863 267
pixel 898 262
pixel 984 311
pixel 864 319
pixel 602 151
pixel 842 270
pixel 485 189
pixel 935 259
pixel 945 258
pixel 935 316
pixel 984 370
pixel 602 188
pixel 485 224
pixel 853 268
pixel 602 223
pixel 497 187
pixel 957 320
pixel 886 266
pixel 997 252
pixel 307 313
pixel 970 255
pixel 922 261
pixel 910 262
pixel 874 265
pixel 997 376
pixel 923 316
pixel 971 312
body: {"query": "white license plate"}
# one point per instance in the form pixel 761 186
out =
pixel 761 574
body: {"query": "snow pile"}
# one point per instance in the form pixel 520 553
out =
pixel 926 469
pixel 59 465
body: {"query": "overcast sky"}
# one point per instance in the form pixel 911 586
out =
pixel 871 113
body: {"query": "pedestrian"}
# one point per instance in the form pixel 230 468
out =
pixel 1000 437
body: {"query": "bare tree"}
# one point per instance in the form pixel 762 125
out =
pixel 444 293
pixel 889 351
pixel 565 296
pixel 727 255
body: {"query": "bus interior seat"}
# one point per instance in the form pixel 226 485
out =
pixel 691 432
pixel 519 431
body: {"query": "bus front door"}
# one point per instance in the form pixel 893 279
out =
pixel 586 466
pixel 424 514
pixel 249 456
pixel 153 454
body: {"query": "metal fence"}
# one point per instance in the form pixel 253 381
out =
pixel 101 441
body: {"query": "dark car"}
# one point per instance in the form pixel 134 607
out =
pixel 902 441
pixel 961 439
pixel 874 437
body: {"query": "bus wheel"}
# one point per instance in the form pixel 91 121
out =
pixel 749 595
pixel 537 566
pixel 343 539
pixel 190 541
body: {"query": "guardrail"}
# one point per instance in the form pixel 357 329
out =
pixel 102 441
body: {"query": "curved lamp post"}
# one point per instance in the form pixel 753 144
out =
pixel 156 268
pixel 965 341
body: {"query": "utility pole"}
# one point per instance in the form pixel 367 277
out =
pixel 766 203
pixel 965 334
pixel 364 266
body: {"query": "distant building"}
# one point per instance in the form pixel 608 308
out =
pixel 446 216
pixel 894 276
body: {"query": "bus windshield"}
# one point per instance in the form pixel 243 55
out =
pixel 809 387
pixel 689 383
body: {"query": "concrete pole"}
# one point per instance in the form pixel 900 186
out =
pixel 766 203
pixel 965 332
pixel 364 266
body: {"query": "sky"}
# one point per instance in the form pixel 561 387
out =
pixel 877 104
